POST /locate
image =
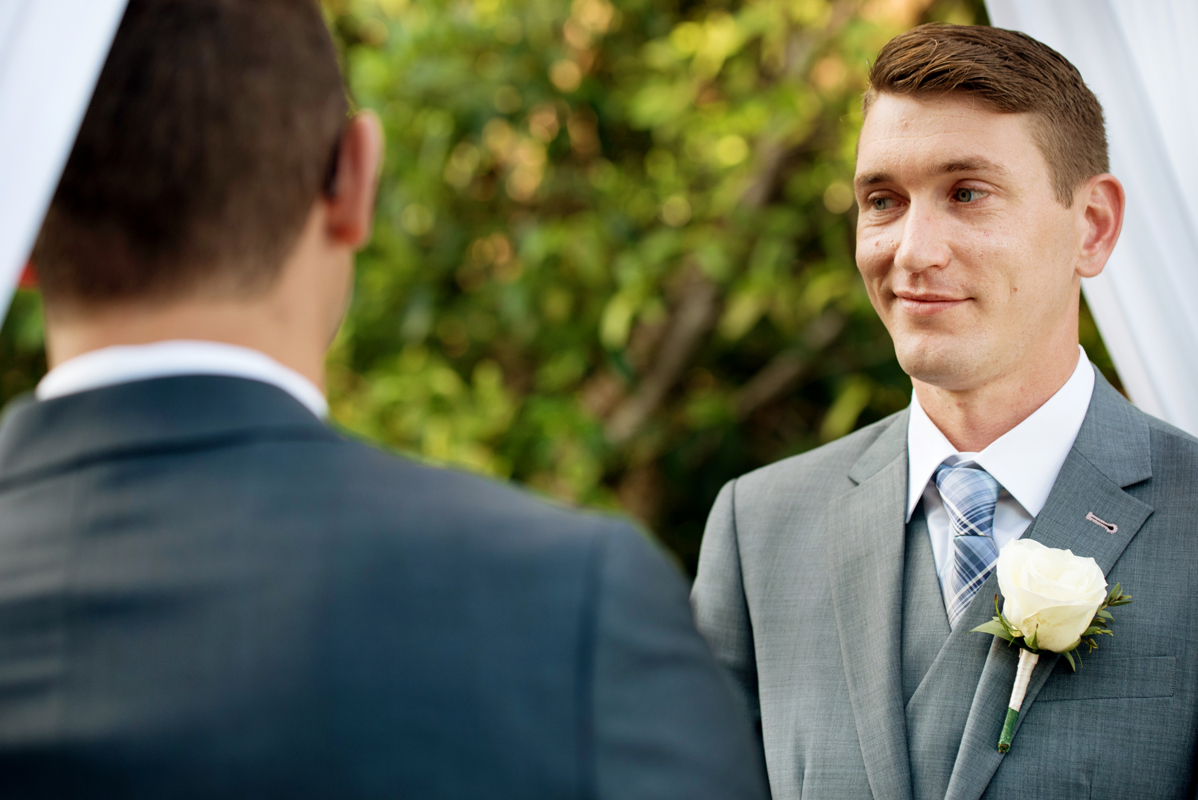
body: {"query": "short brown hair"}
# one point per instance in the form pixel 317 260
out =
pixel 208 139
pixel 1008 72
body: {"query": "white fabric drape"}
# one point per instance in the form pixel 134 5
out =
pixel 1139 58
pixel 51 52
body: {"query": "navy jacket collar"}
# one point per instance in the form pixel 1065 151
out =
pixel 161 413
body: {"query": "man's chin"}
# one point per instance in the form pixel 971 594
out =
pixel 947 368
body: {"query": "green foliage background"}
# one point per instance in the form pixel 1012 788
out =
pixel 613 258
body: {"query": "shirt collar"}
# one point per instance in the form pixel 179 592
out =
pixel 126 363
pixel 1025 459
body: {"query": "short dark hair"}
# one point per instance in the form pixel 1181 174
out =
pixel 209 137
pixel 1008 72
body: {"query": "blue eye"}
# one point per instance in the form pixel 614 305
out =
pixel 966 195
pixel 880 203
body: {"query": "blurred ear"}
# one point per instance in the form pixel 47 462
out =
pixel 28 279
pixel 1104 202
pixel 349 203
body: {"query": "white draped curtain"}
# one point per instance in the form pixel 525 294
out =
pixel 1140 59
pixel 51 52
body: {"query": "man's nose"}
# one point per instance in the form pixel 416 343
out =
pixel 924 240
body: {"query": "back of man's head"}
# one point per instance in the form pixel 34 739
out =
pixel 1007 72
pixel 212 131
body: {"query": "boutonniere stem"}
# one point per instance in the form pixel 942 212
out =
pixel 1023 676
pixel 1052 600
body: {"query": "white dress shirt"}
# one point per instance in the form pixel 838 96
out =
pixel 126 363
pixel 1025 461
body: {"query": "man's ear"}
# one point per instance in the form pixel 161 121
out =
pixel 1103 203
pixel 349 200
pixel 28 279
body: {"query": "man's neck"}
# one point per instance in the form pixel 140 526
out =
pixel 255 325
pixel 972 419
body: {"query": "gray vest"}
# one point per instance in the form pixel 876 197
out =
pixel 925 630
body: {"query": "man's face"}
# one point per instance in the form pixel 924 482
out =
pixel 968 257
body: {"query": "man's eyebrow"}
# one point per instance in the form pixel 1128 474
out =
pixel 972 164
pixel 872 179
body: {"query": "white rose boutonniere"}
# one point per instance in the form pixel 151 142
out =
pixel 1052 600
pixel 1049 596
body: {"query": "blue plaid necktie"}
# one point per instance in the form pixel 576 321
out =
pixel 969 494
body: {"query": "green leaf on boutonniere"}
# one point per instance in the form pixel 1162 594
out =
pixel 1116 597
pixel 1072 656
pixel 998 626
pixel 995 627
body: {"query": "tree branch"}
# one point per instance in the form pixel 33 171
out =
pixel 694 316
pixel 785 370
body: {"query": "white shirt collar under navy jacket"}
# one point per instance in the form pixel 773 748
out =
pixel 1025 461
pixel 126 363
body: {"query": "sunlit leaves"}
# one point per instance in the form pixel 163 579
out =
pixel 625 229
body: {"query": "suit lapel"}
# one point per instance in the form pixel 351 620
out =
pixel 866 572
pixel 1112 451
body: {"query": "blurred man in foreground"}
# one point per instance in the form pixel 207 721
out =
pixel 841 587
pixel 205 591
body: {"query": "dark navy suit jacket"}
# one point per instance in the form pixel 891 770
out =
pixel 206 592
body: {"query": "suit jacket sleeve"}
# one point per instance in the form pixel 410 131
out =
pixel 721 609
pixel 664 722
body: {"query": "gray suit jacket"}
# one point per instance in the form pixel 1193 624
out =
pixel 206 593
pixel 800 592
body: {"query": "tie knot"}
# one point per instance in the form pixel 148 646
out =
pixel 971 494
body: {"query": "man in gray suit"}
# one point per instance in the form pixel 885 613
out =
pixel 207 592
pixel 839 588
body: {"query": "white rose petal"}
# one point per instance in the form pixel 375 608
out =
pixel 1048 593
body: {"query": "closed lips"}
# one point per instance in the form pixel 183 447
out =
pixel 927 303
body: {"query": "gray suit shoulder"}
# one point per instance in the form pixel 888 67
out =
pixel 1174 452
pixel 1174 462
pixel 1168 435
pixel 1112 418
pixel 823 469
